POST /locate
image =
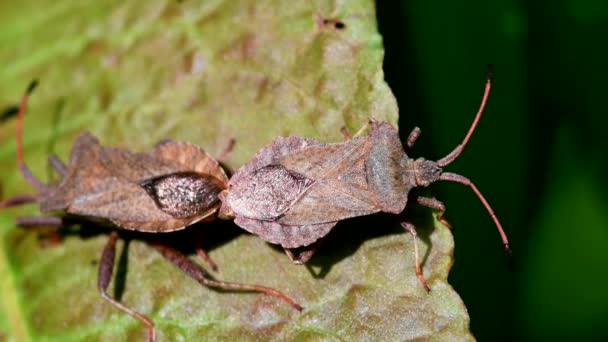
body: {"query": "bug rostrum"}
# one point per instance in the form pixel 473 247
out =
pixel 171 187
pixel 295 190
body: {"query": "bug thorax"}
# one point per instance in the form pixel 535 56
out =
pixel 425 171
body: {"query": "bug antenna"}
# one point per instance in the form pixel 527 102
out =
pixel 25 171
pixel 453 177
pixel 456 152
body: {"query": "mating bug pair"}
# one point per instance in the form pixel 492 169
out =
pixel 291 193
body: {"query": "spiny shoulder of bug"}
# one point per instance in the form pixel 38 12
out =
pixel 387 158
pixel 387 147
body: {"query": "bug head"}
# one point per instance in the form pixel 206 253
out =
pixel 426 172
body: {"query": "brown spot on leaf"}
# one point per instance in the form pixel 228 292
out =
pixel 330 23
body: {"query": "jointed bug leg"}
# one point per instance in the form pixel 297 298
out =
pixel 410 228
pixel 302 257
pixel 200 251
pixel 222 158
pixel 106 269
pixel 194 271
pixel 303 253
pixel 345 133
pixel 411 139
pixel 433 203
pixel 48 238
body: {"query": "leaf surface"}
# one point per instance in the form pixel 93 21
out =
pixel 135 73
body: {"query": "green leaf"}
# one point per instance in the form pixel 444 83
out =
pixel 135 73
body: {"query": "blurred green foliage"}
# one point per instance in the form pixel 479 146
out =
pixel 539 154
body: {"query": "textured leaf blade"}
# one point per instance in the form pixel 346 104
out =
pixel 135 73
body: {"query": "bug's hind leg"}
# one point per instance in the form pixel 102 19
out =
pixel 104 276
pixel 194 271
pixel 202 253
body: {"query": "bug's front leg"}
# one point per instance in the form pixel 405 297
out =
pixel 433 203
pixel 411 139
pixel 104 276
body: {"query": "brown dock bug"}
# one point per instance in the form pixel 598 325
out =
pixel 171 187
pixel 294 190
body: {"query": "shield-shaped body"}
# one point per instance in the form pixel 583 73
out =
pixel 295 190
pixel 173 186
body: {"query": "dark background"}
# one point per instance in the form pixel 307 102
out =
pixel 538 155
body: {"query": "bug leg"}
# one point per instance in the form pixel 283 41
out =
pixel 106 268
pixel 410 228
pixel 346 133
pixel 222 158
pixel 302 255
pixel 411 139
pixel 362 129
pixel 194 271
pixel 17 200
pixel 57 165
pixel 433 203
pixel 200 251
pixel 47 238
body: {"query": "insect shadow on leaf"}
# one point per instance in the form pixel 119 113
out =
pixel 171 187
pixel 295 190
